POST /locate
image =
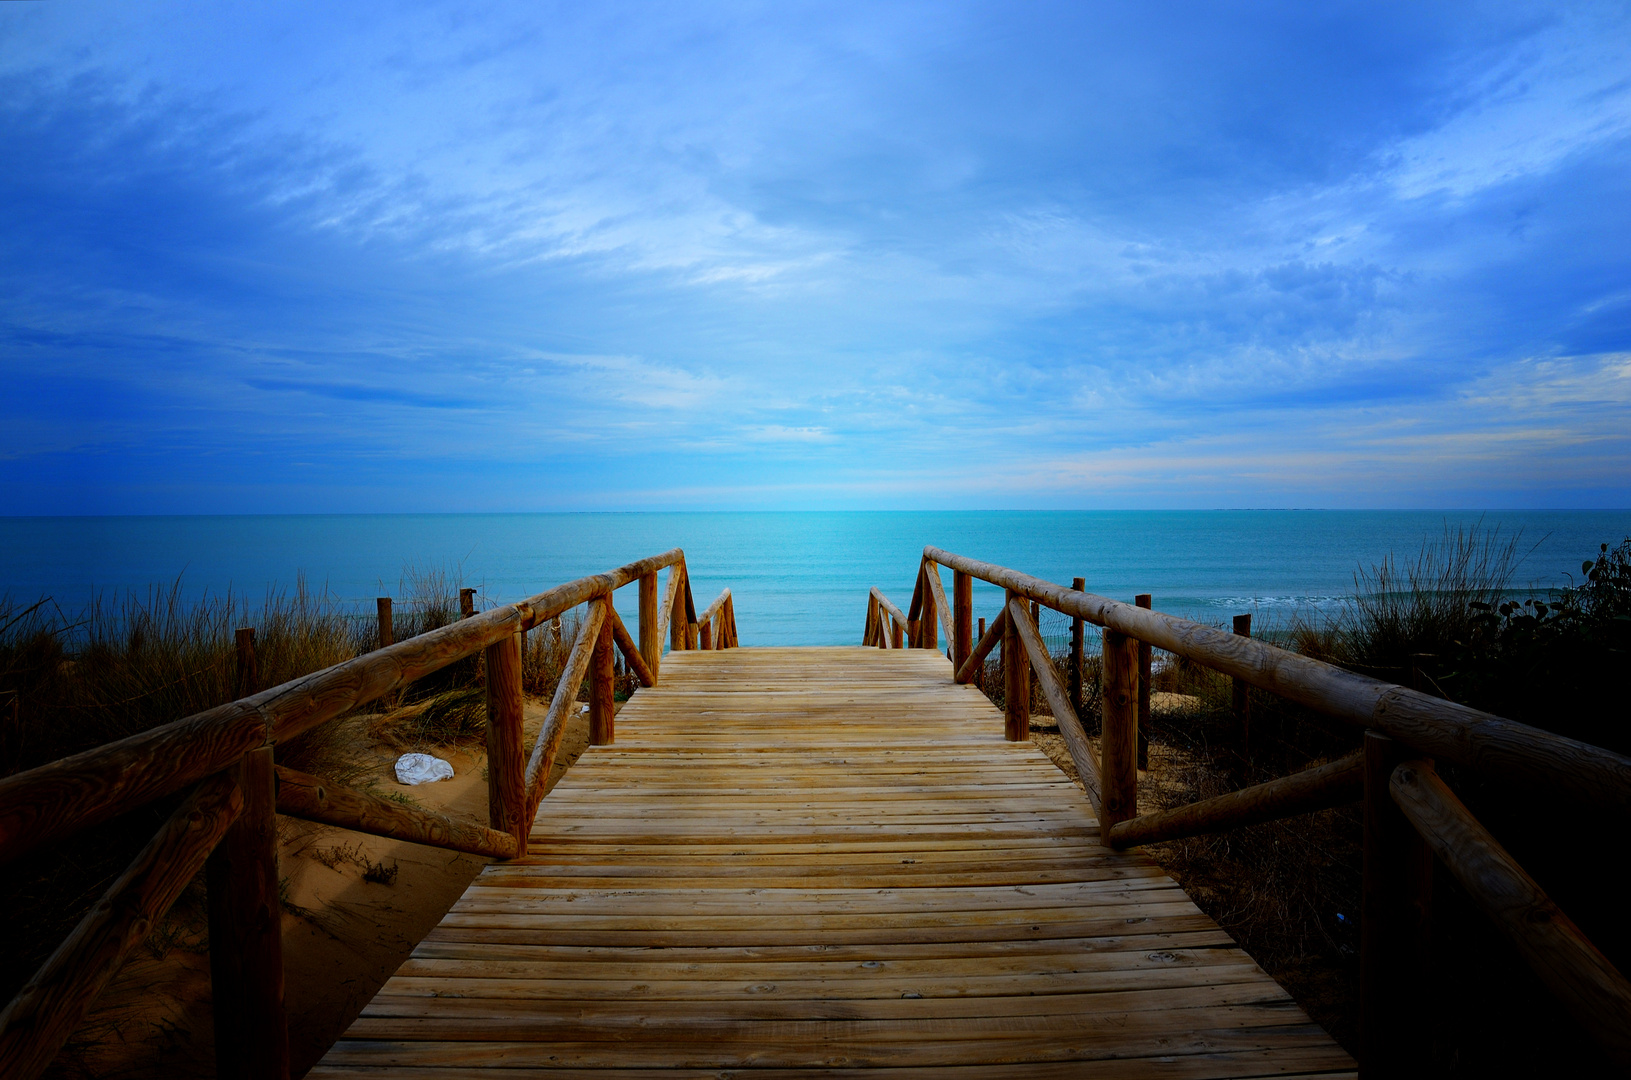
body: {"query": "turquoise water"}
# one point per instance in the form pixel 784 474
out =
pixel 797 578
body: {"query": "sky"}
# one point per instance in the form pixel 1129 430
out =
pixel 376 257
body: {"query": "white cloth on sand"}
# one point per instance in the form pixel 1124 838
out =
pixel 421 769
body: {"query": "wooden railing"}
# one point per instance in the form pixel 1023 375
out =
pixel 1410 813
pixel 226 826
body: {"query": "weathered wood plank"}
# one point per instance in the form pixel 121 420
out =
pixel 826 859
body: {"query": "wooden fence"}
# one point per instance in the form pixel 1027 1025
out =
pixel 1410 815
pixel 226 825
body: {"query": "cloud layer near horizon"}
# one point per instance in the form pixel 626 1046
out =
pixel 518 257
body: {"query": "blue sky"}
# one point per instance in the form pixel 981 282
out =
pixel 379 257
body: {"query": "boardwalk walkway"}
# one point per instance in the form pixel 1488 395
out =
pixel 811 861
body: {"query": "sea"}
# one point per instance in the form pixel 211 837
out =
pixel 795 578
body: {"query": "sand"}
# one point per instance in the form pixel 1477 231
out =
pixel 354 908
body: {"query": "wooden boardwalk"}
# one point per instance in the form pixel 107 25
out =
pixel 805 862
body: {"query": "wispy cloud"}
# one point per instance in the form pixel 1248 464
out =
pixel 907 254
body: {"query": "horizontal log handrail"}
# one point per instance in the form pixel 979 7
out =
pixel 315 799
pixel 55 800
pixel 713 609
pixel 1564 959
pixel 884 602
pixel 1436 727
pixel 1334 783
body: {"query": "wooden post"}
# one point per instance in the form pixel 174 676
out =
pixel 1242 691
pixel 962 617
pixel 677 626
pixel 467 603
pixel 979 675
pixel 651 642
pixel 248 673
pixel 246 933
pixel 602 704
pixel 929 623
pixel 705 634
pixel 1396 902
pixel 897 635
pixel 506 760
pixel 1143 600
pixel 1016 683
pixel 387 635
pixel 873 630
pixel 1077 659
pixel 1118 740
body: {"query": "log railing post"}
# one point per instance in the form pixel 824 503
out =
pixel 979 673
pixel 705 634
pixel 387 634
pixel 248 671
pixel 1242 694
pixel 1143 600
pixel 1016 682
pixel 897 634
pixel 869 636
pixel 1118 740
pixel 962 617
pixel 929 622
pixel 602 703
pixel 651 642
pixel 506 757
pixel 676 608
pixel 1396 900
pixel 467 603
pixel 246 933
pixel 1077 659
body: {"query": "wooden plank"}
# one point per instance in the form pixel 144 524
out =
pixel 829 860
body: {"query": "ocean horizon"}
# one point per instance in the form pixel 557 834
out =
pixel 797 578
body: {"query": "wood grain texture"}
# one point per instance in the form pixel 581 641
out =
pixel 1058 698
pixel 310 797
pixel 942 610
pixel 1595 992
pixel 52 801
pixel 1016 680
pixel 989 639
pixel 1438 728
pixel 46 1010
pixel 548 743
pixel 1118 732
pixel 602 672
pixel 632 654
pixel 246 933
pixel 507 806
pixel 651 636
pixel 1324 786
pixel 825 861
